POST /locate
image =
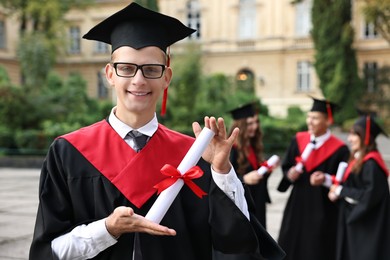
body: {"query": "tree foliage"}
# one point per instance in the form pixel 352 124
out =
pixel 378 13
pixel 41 26
pixel 193 95
pixel 335 58
pixel 151 4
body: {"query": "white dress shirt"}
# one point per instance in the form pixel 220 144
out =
pixel 87 241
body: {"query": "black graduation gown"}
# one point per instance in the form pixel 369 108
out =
pixel 308 229
pixel 364 229
pixel 73 192
pixel 259 192
pixel 259 195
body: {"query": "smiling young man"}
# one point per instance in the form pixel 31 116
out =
pixel 308 229
pixel 97 183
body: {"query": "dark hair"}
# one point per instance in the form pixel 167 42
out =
pixel 256 142
pixel 363 150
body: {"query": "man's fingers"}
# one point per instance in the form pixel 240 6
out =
pixel 124 211
pixel 233 137
pixel 196 128
pixel 147 226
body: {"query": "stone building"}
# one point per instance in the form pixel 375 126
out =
pixel 265 42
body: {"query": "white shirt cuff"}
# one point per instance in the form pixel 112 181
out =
pixel 328 180
pixel 84 241
pixel 231 185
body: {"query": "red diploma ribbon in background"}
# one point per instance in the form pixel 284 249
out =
pixel 269 165
pixel 193 173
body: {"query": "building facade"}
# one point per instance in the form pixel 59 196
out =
pixel 266 42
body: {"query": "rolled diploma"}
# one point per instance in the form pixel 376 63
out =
pixel 340 171
pixel 339 175
pixel 309 147
pixel 271 162
pixel 166 197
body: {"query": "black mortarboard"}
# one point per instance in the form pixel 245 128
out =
pixel 324 106
pixel 138 27
pixel 243 111
pixel 368 123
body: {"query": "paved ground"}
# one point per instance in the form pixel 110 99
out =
pixel 18 205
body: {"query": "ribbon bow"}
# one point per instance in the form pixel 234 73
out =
pixel 334 180
pixel 193 173
pixel 266 165
pixel 298 159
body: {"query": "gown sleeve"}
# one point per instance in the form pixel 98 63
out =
pixel 52 216
pixel 369 195
pixel 248 236
pixel 288 162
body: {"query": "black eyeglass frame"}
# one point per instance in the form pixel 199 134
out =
pixel 139 67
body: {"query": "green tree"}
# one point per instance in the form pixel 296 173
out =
pixel 378 13
pixel 41 34
pixel 183 90
pixel 335 59
pixel 151 4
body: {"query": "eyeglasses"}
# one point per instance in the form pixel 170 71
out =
pixel 149 71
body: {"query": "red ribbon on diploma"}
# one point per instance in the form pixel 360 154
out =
pixel 193 173
pixel 334 180
pixel 266 165
pixel 298 159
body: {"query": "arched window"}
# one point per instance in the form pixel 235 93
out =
pixel 245 79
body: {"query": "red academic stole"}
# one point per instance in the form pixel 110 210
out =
pixel 253 159
pixel 317 156
pixel 134 174
pixel 371 155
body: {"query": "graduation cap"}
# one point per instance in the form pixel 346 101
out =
pixel 324 106
pixel 139 27
pixel 243 111
pixel 368 123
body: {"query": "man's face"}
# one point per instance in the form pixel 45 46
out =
pixel 317 123
pixel 137 95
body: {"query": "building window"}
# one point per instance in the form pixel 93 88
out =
pixel 303 18
pixel 245 79
pixel 369 31
pixel 101 47
pixel 304 76
pixel 247 19
pixel 193 18
pixel 102 85
pixel 74 45
pixel 371 76
pixel 2 35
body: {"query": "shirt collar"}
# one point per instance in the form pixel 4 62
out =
pixel 320 140
pixel 122 129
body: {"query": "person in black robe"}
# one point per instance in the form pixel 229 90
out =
pixel 247 157
pixel 363 230
pixel 308 229
pixel 98 183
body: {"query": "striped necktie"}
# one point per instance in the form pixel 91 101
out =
pixel 139 139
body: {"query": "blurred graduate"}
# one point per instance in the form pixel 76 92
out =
pixel 363 230
pixel 247 157
pixel 308 229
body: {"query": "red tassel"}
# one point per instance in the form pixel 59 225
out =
pixel 165 96
pixel 368 127
pixel 329 110
pixel 164 103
